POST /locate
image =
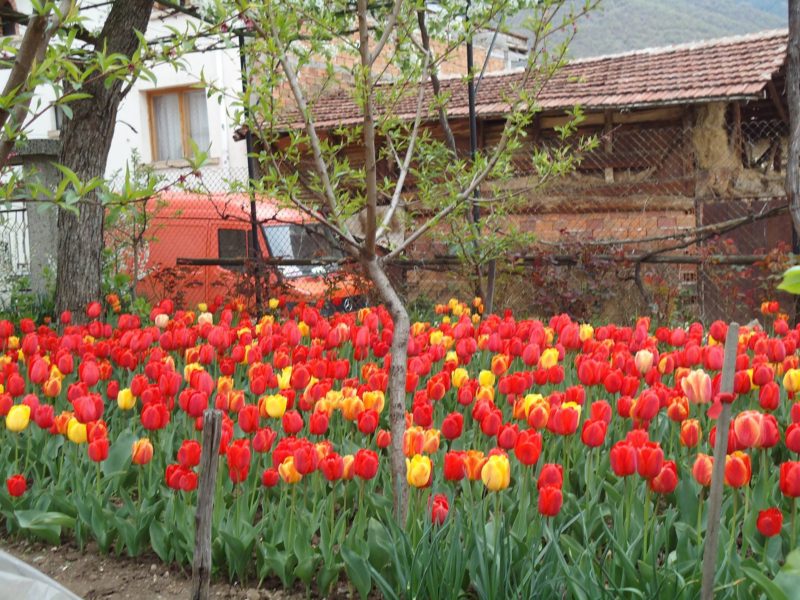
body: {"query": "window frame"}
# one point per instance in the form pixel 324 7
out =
pixel 181 92
pixel 11 5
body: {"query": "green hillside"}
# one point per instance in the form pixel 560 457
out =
pixel 620 25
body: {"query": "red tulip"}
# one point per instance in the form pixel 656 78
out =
pixel 528 447
pixel 452 426
pixel 365 464
pixel 292 422
pixel 332 466
pixel 667 480
pixel 594 433
pixel 154 416
pixel 737 469
pixel 439 509
pixel 649 460
pixel 189 454
pixel 623 459
pixel 770 522
pixel 305 457
pixel 550 500
pixel 702 468
pixel 238 458
pixel 248 418
pixel 454 467
pixel 263 439
pixel 769 396
pixel 270 477
pixel 181 478
pixel 383 439
pixel 368 421
pixel 789 479
pixel 98 449
pixel 507 436
pixel 16 485
pixel 551 475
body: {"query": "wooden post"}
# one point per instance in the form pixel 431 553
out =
pixel 718 474
pixel 201 565
pixel 608 143
pixel 793 99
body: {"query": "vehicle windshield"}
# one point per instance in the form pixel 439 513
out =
pixel 301 242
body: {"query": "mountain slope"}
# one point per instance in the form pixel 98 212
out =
pixel 621 25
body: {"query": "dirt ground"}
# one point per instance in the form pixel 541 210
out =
pixel 94 576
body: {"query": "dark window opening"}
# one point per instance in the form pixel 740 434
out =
pixel 233 243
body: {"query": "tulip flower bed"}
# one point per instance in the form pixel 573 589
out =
pixel 544 459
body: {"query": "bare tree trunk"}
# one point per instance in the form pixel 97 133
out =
pixel 85 146
pixel 397 381
pixel 793 97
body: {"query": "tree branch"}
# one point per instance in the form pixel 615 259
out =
pixel 406 165
pixel 311 130
pixel 390 25
pixel 435 85
pixel 370 154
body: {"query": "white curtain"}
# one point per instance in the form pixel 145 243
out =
pixel 167 115
pixel 198 118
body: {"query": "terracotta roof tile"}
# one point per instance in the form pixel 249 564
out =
pixel 734 67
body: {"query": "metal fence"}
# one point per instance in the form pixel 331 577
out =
pixel 14 249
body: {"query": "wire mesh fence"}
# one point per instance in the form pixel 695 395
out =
pixel 680 220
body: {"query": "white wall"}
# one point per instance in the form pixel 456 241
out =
pixel 220 67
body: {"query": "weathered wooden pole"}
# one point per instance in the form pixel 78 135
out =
pixel 209 458
pixel 793 101
pixel 718 474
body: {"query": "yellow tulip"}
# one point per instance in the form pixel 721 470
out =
pixel 586 332
pixel 436 337
pixel 125 399
pixel 549 358
pixel 274 405
pixel 418 470
pixel 304 328
pixel 18 417
pixel 202 307
pixel 486 378
pixel 76 431
pixel 791 380
pixel 459 377
pixel 273 303
pixel 352 406
pixel 288 472
pixel 284 378
pixel 451 355
pixel 496 473
pixel 374 400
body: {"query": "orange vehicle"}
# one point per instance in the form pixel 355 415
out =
pixel 197 245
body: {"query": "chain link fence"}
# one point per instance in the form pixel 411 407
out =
pixel 678 220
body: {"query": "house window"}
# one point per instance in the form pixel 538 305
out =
pixel 8 14
pixel 178 116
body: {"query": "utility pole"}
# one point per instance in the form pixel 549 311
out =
pixel 473 150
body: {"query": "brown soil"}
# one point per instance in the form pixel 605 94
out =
pixel 94 576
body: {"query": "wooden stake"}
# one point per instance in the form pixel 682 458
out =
pixel 201 565
pixel 718 474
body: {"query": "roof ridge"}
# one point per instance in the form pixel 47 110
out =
pixel 698 44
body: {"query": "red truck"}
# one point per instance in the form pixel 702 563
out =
pixel 197 245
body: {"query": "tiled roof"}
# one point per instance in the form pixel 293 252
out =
pixel 726 68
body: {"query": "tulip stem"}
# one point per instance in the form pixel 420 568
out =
pixel 700 516
pixel 733 521
pixel 646 531
pixel 744 520
pixel 794 523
